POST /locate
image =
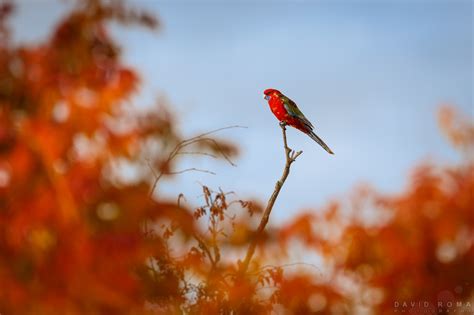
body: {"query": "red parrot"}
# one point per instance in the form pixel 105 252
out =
pixel 286 111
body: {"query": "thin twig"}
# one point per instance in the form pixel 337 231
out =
pixel 191 169
pixel 291 156
pixel 204 247
pixel 214 131
pixel 198 153
pixel 188 142
pixel 177 150
pixel 151 168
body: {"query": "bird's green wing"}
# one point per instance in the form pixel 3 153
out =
pixel 294 111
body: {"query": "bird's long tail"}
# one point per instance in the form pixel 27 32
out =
pixel 319 141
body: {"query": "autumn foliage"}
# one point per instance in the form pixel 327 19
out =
pixel 84 228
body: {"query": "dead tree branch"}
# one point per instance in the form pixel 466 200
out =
pixel 291 156
pixel 177 150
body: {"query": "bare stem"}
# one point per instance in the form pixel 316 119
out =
pixel 203 246
pixel 185 143
pixel 291 156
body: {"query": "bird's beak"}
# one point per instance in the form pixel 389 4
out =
pixel 267 97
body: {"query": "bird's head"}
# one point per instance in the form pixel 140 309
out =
pixel 269 93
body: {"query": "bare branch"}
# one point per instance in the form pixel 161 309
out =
pixel 204 247
pixel 151 167
pixel 198 153
pixel 157 178
pixel 191 169
pixel 291 156
pixel 214 131
pixel 177 150
pixel 217 146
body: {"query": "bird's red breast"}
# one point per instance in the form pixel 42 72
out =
pixel 278 108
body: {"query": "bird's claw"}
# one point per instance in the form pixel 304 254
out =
pixel 283 124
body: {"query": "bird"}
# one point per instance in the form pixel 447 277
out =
pixel 288 113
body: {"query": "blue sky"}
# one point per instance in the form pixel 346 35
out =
pixel 370 75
